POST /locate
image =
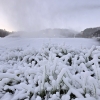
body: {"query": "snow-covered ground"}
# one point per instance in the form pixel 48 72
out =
pixel 49 69
pixel 38 42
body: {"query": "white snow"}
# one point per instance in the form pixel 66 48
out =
pixel 38 43
pixel 49 69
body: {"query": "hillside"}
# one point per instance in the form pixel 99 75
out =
pixel 89 32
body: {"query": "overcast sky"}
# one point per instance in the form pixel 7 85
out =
pixel 40 14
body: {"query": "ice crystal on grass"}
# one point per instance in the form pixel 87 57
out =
pixel 53 73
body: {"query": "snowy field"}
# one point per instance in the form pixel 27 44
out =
pixel 49 69
pixel 37 43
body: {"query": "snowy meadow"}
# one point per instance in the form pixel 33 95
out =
pixel 49 69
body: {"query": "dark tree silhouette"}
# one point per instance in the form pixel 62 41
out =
pixel 3 33
pixel 97 33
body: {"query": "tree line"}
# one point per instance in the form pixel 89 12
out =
pixel 4 33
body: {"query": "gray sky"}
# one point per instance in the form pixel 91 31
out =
pixel 40 14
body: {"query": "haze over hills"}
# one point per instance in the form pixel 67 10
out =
pixel 53 33
pixel 47 33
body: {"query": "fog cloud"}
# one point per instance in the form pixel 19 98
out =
pixel 40 14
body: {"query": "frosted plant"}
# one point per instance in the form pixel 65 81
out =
pixel 56 72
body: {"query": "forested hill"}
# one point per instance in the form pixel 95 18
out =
pixel 4 33
pixel 89 32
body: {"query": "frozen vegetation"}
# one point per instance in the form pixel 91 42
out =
pixel 54 72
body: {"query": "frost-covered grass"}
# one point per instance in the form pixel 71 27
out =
pixel 53 73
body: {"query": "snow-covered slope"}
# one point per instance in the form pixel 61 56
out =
pixel 63 69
